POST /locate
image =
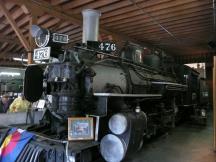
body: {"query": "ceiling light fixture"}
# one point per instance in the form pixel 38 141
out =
pixel 10 73
pixel 20 59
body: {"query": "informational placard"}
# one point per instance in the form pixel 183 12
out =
pixel 80 128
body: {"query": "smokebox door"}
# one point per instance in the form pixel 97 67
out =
pixel 33 83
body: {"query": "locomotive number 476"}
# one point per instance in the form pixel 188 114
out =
pixel 41 54
pixel 107 46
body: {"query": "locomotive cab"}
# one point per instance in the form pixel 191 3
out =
pixel 133 53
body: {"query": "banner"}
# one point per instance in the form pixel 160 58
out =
pixel 13 144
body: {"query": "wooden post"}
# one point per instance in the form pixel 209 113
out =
pixel 33 21
pixel 214 102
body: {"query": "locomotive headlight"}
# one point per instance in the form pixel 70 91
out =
pixel 118 124
pixel 42 36
pixel 112 148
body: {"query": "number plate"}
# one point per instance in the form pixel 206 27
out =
pixel 107 46
pixel 60 38
pixel 41 54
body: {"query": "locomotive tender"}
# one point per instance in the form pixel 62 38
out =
pixel 105 106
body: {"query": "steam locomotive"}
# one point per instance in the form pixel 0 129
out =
pixel 105 106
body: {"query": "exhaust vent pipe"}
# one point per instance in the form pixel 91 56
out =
pixel 90 25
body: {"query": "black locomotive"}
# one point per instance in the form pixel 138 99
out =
pixel 107 105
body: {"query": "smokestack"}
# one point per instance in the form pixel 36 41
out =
pixel 90 25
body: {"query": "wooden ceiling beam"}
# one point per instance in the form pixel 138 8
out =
pixel 159 35
pixel 163 18
pixel 9 48
pixel 154 10
pixel 69 28
pixel 57 2
pixel 3 45
pixel 132 8
pixel 10 7
pixel 75 39
pixel 197 36
pixel 55 26
pixel 14 26
pixel 208 26
pixel 51 23
pixel 180 27
pixel 4 48
pixel 195 29
pixel 161 38
pixel 64 25
pixel 173 29
pixel 24 23
pixel 74 36
pixel 44 18
pixel 43 6
pixel 75 3
pixel 19 24
pixel 16 50
pixel 19 49
pixel 172 42
pixel 14 15
pixel 187 41
pixel 94 4
pixel 147 30
pixel 118 5
pixel 74 31
pixel 183 22
pixel 7 55
pixel 9 39
pixel 25 9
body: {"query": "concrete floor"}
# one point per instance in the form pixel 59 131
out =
pixel 185 143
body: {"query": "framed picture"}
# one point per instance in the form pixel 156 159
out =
pixel 80 128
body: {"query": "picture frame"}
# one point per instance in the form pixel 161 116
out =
pixel 80 128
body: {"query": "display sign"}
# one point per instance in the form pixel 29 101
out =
pixel 41 54
pixel 80 128
pixel 60 38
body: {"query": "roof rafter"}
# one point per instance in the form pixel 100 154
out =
pixel 43 6
pixel 9 39
pixel 14 26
